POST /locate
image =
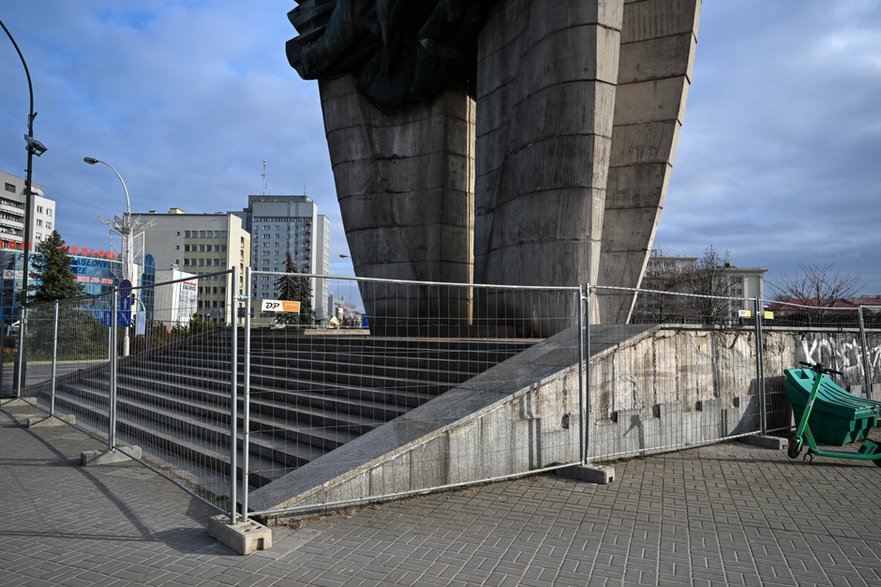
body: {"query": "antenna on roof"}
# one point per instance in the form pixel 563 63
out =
pixel 304 189
pixel 264 177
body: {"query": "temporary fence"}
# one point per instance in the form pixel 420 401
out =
pixel 152 367
pixel 691 377
pixel 230 395
pixel 371 351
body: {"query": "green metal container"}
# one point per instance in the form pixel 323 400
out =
pixel 837 418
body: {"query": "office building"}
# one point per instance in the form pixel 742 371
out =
pixel 200 244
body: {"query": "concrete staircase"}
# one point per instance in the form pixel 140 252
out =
pixel 310 394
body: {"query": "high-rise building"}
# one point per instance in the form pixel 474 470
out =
pixel 279 224
pixel 200 244
pixel 12 204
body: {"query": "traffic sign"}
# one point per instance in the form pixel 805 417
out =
pixel 123 319
pixel 125 288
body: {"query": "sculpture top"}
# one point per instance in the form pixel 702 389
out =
pixel 398 50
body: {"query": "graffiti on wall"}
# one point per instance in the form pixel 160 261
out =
pixel 845 353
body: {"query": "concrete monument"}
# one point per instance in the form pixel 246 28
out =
pixel 523 142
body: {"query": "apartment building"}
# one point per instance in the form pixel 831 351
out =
pixel 12 216
pixel 281 223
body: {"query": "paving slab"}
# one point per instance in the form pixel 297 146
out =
pixel 728 514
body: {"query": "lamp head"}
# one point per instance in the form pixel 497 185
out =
pixel 34 146
pixel 90 160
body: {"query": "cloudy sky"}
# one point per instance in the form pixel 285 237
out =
pixel 779 161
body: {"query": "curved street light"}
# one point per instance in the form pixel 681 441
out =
pixel 34 147
pixel 126 231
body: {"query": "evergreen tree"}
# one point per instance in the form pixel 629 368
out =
pixel 294 288
pixel 52 275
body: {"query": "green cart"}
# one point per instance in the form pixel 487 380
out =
pixel 828 415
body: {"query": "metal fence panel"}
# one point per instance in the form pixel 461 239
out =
pixel 70 339
pixel 170 372
pixel 828 335
pixel 681 373
pixel 375 351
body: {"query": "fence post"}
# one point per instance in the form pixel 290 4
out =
pixel 22 341
pixel 234 383
pixel 54 361
pixel 246 392
pixel 584 369
pixel 867 375
pixel 760 367
pixel 111 420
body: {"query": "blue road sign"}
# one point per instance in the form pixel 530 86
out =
pixel 123 319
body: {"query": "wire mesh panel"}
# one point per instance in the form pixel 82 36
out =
pixel 872 323
pixel 811 334
pixel 681 373
pixel 69 339
pixel 384 366
pixel 174 388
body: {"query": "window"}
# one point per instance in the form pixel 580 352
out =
pixel 187 248
pixel 201 234
pixel 39 222
pixel 10 187
pixel 49 225
pixel 49 212
pixel 39 209
pixel 186 234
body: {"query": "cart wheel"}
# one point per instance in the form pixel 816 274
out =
pixel 794 448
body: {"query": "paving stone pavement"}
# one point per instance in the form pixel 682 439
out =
pixel 728 514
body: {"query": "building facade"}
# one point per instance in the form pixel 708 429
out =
pixel 12 216
pixel 279 224
pixel 95 271
pixel 200 244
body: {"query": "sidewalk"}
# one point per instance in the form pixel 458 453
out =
pixel 727 514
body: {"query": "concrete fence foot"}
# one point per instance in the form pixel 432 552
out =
pixel 601 474
pixel 92 458
pixel 243 537
pixel 764 441
pixel 50 421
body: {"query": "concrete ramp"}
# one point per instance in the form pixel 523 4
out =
pixel 516 417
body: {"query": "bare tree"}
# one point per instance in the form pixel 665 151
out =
pixel 706 276
pixel 710 278
pixel 816 285
pixel 819 287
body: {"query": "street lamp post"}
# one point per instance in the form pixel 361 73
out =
pixel 34 147
pixel 126 232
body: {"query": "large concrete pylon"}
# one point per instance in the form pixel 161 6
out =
pixel 405 184
pixel 658 40
pixel 545 96
pixel 553 174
